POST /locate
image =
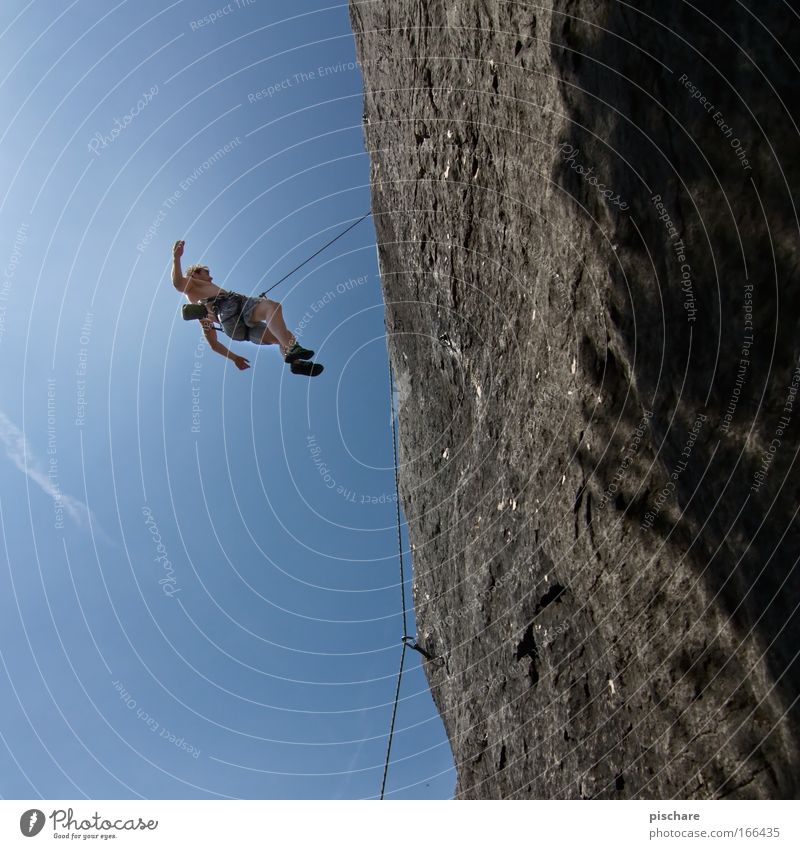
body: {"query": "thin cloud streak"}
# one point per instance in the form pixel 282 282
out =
pixel 18 450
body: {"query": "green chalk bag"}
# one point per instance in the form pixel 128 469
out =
pixel 190 312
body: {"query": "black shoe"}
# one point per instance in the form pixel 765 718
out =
pixel 306 368
pixel 296 352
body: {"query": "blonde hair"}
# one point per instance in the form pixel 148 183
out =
pixel 195 267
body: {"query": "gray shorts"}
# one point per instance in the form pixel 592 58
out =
pixel 238 325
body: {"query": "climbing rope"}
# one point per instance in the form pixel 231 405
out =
pixel 407 641
pixel 402 580
pixel 297 267
pixel 327 245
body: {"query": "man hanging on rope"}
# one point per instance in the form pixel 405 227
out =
pixel 257 320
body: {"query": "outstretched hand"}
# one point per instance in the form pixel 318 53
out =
pixel 241 363
pixel 177 249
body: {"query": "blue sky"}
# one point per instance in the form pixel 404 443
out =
pixel 199 595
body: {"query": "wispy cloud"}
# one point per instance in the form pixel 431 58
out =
pixel 18 450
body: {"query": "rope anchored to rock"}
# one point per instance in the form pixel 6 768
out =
pixel 408 642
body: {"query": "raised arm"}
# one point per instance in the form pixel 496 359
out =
pixel 211 335
pixel 178 280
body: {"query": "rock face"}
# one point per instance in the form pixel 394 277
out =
pixel 588 247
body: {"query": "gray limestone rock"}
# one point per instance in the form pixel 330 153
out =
pixel 588 242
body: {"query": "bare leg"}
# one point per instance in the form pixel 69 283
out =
pixel 268 339
pixel 272 313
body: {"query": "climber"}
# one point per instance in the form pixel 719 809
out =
pixel 257 320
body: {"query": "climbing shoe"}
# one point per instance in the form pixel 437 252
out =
pixel 297 352
pixel 306 368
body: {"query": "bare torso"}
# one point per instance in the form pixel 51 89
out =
pixel 198 290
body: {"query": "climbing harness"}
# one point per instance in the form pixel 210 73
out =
pixel 240 332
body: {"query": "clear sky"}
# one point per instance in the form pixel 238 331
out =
pixel 200 585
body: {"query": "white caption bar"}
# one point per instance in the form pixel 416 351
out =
pixel 617 824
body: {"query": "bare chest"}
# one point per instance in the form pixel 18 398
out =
pixel 199 291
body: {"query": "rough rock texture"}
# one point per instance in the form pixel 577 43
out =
pixel 592 385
